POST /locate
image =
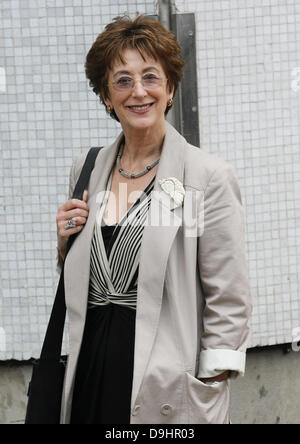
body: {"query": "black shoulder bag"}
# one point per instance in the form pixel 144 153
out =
pixel 45 388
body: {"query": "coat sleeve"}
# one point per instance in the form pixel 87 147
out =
pixel 72 183
pixel 224 277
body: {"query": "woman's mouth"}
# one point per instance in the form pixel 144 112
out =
pixel 140 109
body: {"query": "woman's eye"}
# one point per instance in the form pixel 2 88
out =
pixel 124 81
pixel 151 77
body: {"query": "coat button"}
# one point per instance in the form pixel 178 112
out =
pixel 165 409
pixel 135 410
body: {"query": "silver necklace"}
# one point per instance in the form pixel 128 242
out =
pixel 133 176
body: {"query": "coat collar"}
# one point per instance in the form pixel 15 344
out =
pixel 156 244
pixel 171 163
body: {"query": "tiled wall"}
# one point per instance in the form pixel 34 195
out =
pixel 248 52
pixel 48 115
pixel 249 100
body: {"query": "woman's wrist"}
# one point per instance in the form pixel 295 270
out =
pixel 218 378
pixel 61 248
pixel 61 254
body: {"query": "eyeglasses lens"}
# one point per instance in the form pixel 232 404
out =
pixel 127 83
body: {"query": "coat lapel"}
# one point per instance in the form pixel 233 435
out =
pixel 77 263
pixel 156 244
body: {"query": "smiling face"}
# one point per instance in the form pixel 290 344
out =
pixel 140 107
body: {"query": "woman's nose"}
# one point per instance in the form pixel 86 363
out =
pixel 138 89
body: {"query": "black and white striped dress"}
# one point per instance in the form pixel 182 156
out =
pixel 102 392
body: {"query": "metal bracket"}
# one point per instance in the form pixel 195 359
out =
pixel 184 114
pixel 187 115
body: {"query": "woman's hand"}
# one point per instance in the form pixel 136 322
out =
pixel 72 208
pixel 217 378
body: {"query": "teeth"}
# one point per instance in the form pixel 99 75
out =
pixel 139 108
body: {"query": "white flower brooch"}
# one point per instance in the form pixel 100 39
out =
pixel 173 187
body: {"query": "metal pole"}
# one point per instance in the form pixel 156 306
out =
pixel 184 113
pixel 164 12
pixel 165 8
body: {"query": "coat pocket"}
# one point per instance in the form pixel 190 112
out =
pixel 207 404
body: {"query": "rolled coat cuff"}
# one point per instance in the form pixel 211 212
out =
pixel 214 362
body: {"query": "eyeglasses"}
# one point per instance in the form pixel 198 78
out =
pixel 149 81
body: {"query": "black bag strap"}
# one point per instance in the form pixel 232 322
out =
pixel 52 345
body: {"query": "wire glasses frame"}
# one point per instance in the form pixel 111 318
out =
pixel 128 83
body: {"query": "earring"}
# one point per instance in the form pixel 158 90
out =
pixel 109 109
pixel 170 103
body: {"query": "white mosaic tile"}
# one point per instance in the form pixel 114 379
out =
pixel 48 115
pixel 2 80
pixel 249 86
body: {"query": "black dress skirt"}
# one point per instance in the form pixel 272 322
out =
pixel 103 382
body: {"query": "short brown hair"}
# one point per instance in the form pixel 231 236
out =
pixel 146 35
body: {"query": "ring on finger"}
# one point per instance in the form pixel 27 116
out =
pixel 71 223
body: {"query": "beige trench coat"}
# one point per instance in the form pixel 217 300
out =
pixel 193 303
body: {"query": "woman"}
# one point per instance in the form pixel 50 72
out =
pixel 158 316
